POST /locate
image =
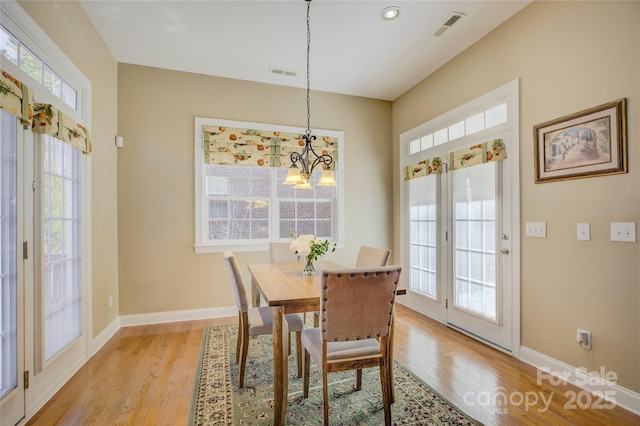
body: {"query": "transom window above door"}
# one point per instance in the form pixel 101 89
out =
pixel 486 119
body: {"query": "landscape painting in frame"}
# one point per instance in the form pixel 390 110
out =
pixel 585 144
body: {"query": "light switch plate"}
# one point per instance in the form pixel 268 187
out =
pixel 584 231
pixel 536 229
pixel 623 231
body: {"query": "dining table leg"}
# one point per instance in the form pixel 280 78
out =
pixel 280 366
pixel 255 293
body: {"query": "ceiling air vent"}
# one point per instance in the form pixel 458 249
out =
pixel 282 72
pixel 455 17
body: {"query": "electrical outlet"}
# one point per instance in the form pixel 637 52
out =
pixel 583 338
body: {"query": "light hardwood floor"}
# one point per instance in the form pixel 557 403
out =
pixel 145 375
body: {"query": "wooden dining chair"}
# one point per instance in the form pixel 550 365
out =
pixel 255 321
pixel 348 339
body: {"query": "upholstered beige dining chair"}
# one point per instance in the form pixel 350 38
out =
pixel 371 257
pixel 280 252
pixel 255 321
pixel 347 339
pixel 368 257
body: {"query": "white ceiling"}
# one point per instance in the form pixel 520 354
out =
pixel 353 51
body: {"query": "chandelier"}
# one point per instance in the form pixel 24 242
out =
pixel 303 163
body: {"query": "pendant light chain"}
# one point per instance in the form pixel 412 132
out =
pixel 302 163
pixel 308 131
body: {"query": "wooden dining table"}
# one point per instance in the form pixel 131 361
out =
pixel 284 288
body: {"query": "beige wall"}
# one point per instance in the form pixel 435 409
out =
pixel 569 56
pixel 159 270
pixel 68 26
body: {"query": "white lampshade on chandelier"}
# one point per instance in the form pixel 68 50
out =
pixel 303 163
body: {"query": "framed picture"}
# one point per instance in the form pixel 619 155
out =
pixel 585 144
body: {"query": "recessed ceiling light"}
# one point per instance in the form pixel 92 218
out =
pixel 390 13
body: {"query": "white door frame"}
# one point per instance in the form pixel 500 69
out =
pixel 510 93
pixel 21 25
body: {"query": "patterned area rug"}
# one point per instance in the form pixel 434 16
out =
pixel 218 401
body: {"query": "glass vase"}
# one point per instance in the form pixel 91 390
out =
pixel 309 268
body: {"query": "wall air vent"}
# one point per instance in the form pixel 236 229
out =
pixel 451 20
pixel 278 71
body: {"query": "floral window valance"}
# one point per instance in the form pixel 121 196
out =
pixel 16 98
pixel 48 120
pixel 430 166
pixel 477 154
pixel 247 147
pixel 472 156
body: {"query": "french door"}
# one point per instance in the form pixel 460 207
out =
pixel 460 240
pixel 459 243
pixel 42 310
pixel 55 307
pixel 478 279
pixel 12 396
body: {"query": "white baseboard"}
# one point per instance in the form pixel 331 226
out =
pixel 176 316
pixel 158 318
pixel 599 383
pixel 101 339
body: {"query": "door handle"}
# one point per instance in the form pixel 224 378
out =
pixel 505 251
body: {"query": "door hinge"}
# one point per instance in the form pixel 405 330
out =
pixel 446 303
pixel 26 379
pixel 446 235
pixel 25 250
pixel 34 185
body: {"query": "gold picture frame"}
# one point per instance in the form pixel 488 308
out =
pixel 588 143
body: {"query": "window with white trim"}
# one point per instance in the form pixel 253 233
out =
pixel 486 119
pixel 18 54
pixel 244 207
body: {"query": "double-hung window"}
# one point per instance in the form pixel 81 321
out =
pixel 241 201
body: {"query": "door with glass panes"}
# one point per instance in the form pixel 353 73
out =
pixel 12 267
pixel 458 238
pixel 46 301
pixel 43 206
pixel 478 283
pixel 460 218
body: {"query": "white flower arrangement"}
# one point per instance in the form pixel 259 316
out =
pixel 310 246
